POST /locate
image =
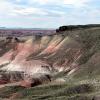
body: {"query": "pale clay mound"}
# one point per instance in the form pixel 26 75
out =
pixel 56 49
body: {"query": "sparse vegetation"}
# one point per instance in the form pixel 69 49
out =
pixel 73 55
pixel 48 92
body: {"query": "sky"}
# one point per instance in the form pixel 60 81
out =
pixel 48 13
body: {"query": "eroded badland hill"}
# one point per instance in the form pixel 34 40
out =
pixel 65 65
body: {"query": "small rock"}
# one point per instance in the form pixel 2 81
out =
pixel 25 83
pixel 96 98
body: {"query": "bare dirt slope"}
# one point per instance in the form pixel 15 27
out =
pixel 66 57
pixel 48 55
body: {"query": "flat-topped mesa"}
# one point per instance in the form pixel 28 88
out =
pixel 76 27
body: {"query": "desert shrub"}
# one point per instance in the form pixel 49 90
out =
pixel 79 97
pixel 6 92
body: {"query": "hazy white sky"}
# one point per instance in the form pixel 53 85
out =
pixel 48 13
